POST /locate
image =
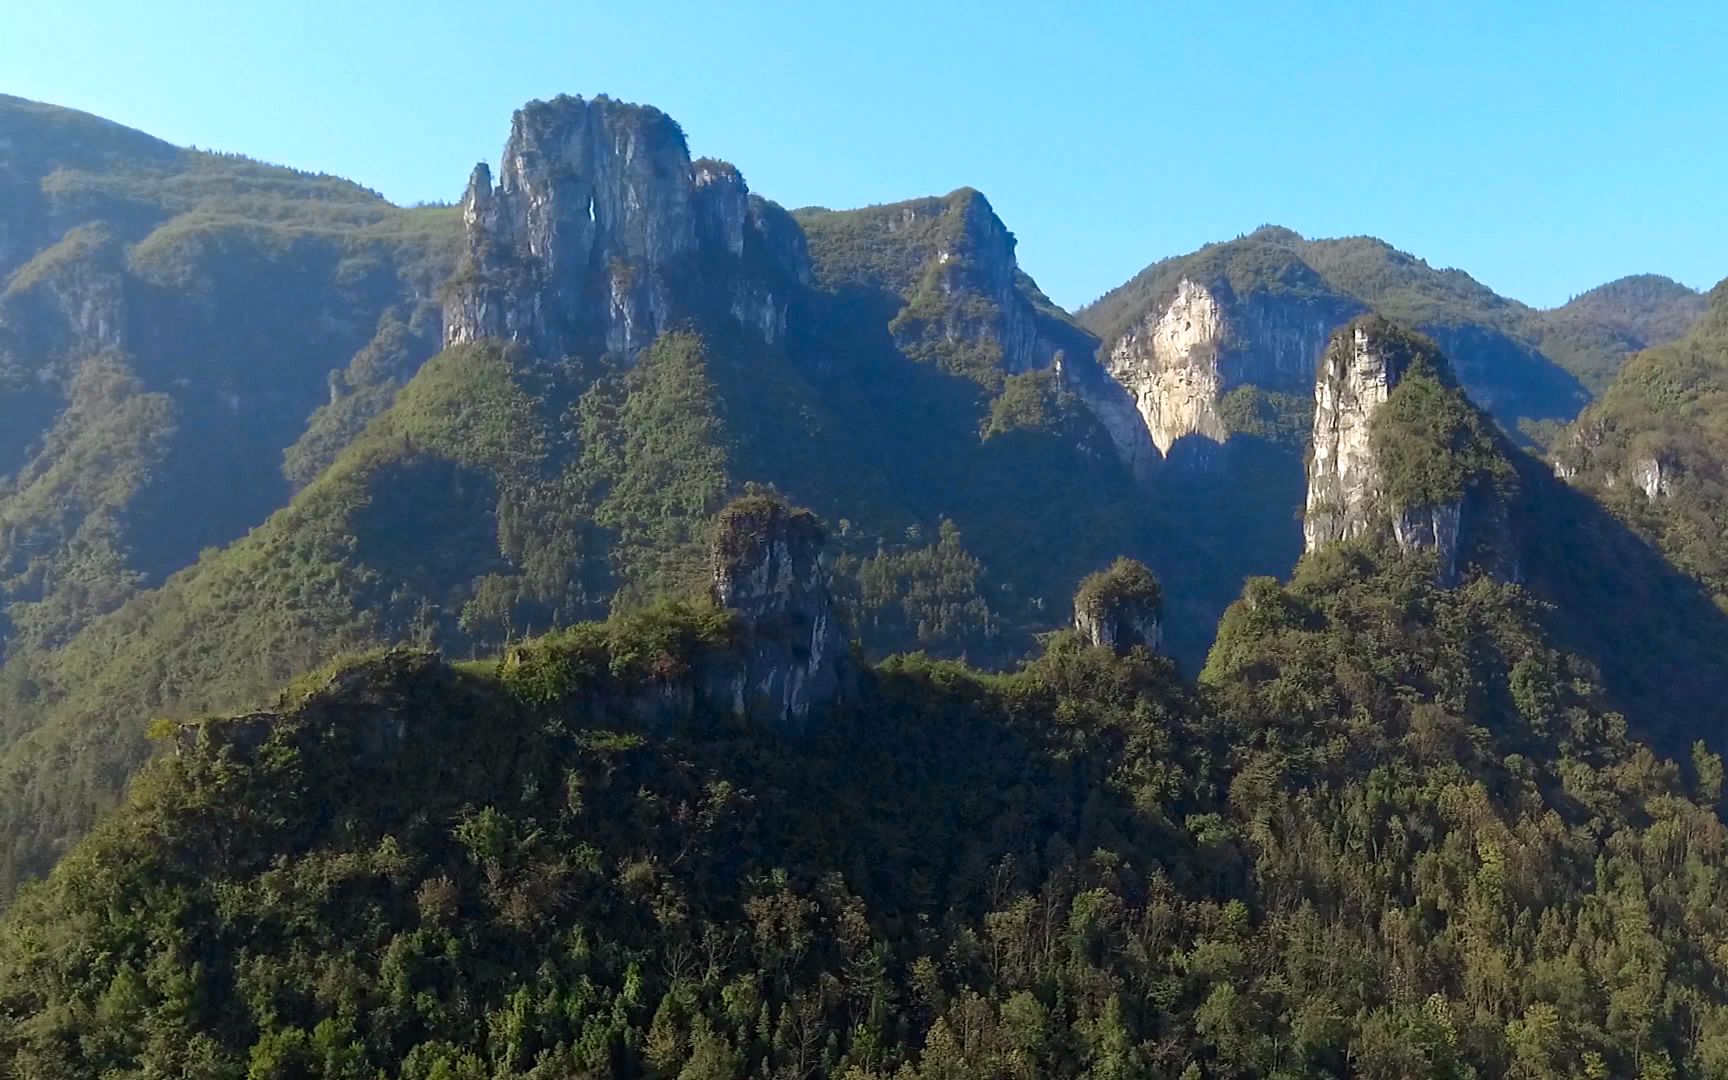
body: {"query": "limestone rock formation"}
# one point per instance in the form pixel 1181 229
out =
pixel 1182 358
pixel 1352 491
pixel 1357 375
pixel 1170 365
pixel 1654 477
pixel 767 567
pixel 598 232
pixel 1185 334
pixel 1120 608
pixel 1590 456
pixel 947 264
pixel 975 281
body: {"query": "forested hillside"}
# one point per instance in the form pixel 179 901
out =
pixel 175 323
pixel 1593 334
pixel 1655 448
pixel 507 490
pixel 1391 832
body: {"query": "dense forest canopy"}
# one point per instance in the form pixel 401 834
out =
pixel 1390 832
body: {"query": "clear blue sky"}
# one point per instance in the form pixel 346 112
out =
pixel 1544 147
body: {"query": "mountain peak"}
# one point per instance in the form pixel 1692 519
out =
pixel 586 242
pixel 1276 234
pixel 1400 451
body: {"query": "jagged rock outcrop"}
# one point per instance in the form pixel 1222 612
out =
pixel 1256 311
pixel 1121 608
pixel 600 230
pixel 1356 377
pixel 1654 477
pixel 1170 365
pixel 1178 362
pixel 1431 488
pixel 1595 454
pixel 972 288
pixel 767 567
pixel 945 268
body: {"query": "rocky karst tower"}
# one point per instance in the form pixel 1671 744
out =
pixel 601 232
pixel 1121 608
pixel 1357 374
pixel 767 566
pixel 1398 449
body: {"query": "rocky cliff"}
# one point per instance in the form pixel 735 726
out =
pixel 1256 312
pixel 601 232
pixel 1399 451
pixel 767 567
pixel 944 271
pixel 1121 608
pixel 1356 376
pixel 1181 359
pixel 970 290
pixel 1187 333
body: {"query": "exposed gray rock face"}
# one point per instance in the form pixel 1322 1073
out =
pixel 767 566
pixel 1356 377
pixel 1654 477
pixel 1121 629
pixel 1432 528
pixel 597 233
pixel 1360 369
pixel 1178 362
pixel 978 258
pixel 1120 608
pixel 1170 364
pixel 1595 454
pixel 1117 412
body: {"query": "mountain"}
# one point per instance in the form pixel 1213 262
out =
pixel 1402 458
pixel 632 337
pixel 175 323
pixel 1265 303
pixel 627 339
pixel 1392 831
pixel 1655 447
pixel 1593 334
pixel 1400 453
